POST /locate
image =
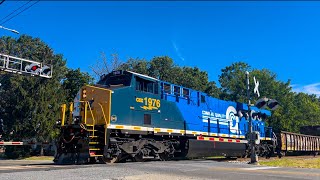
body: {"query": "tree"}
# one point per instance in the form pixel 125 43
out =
pixel 233 82
pixel 161 67
pixel 193 78
pixel 105 65
pixel 212 89
pixel 30 105
pixel 296 110
pixel 73 81
pixel 137 65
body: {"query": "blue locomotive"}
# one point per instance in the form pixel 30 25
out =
pixel 127 115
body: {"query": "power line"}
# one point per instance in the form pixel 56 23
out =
pixel 20 12
pixel 15 10
pixel 2 2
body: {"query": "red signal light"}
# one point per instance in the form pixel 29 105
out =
pixel 38 69
pixel 33 68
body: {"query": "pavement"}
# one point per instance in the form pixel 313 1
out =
pixel 154 170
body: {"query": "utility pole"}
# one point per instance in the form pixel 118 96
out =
pixel 253 156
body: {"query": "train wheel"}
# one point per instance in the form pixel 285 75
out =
pixel 114 159
pixel 92 160
pixel 165 157
pixel 281 154
pixel 139 157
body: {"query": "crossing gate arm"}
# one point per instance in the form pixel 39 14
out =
pixel 21 143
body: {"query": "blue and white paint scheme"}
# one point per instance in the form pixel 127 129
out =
pixel 198 109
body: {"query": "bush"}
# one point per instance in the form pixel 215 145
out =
pixel 16 152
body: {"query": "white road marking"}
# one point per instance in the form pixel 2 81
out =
pixel 258 168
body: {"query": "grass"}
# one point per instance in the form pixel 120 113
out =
pixel 300 162
pixel 215 157
pixel 39 158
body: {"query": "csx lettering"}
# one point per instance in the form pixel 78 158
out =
pixel 149 103
pixel 140 100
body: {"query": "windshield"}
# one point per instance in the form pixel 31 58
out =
pixel 115 81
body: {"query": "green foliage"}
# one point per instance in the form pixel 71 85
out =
pixel 233 82
pixel 16 152
pixel 163 68
pixel 30 105
pixel 74 80
pixel 136 65
pixel 296 110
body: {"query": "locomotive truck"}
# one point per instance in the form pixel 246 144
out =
pixel 127 115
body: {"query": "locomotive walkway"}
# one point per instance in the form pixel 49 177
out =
pixel 173 170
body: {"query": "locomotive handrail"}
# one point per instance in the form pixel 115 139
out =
pixel 70 112
pixel 63 115
pixel 67 142
pixel 104 115
pixel 106 121
pixel 85 112
pixel 94 121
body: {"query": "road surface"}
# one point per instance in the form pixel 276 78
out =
pixel 157 170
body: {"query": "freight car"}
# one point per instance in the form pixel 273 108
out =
pixel 310 130
pixel 127 115
pixel 298 144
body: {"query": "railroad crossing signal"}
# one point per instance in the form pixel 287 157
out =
pixel 262 103
pixel 24 66
pixel 33 68
pixel 271 103
pixel 256 86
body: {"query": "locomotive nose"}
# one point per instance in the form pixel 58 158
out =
pixel 83 126
pixel 95 105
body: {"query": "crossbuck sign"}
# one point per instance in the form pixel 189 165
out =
pixel 256 85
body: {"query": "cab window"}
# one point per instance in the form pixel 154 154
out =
pixel 177 90
pixel 167 88
pixel 146 85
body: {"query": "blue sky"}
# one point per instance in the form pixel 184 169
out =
pixel 281 36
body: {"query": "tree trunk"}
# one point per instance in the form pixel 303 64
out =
pixel 41 151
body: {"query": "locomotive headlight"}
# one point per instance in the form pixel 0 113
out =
pixel 76 119
pixel 58 122
pixel 84 93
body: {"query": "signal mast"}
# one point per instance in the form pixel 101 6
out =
pixel 22 66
